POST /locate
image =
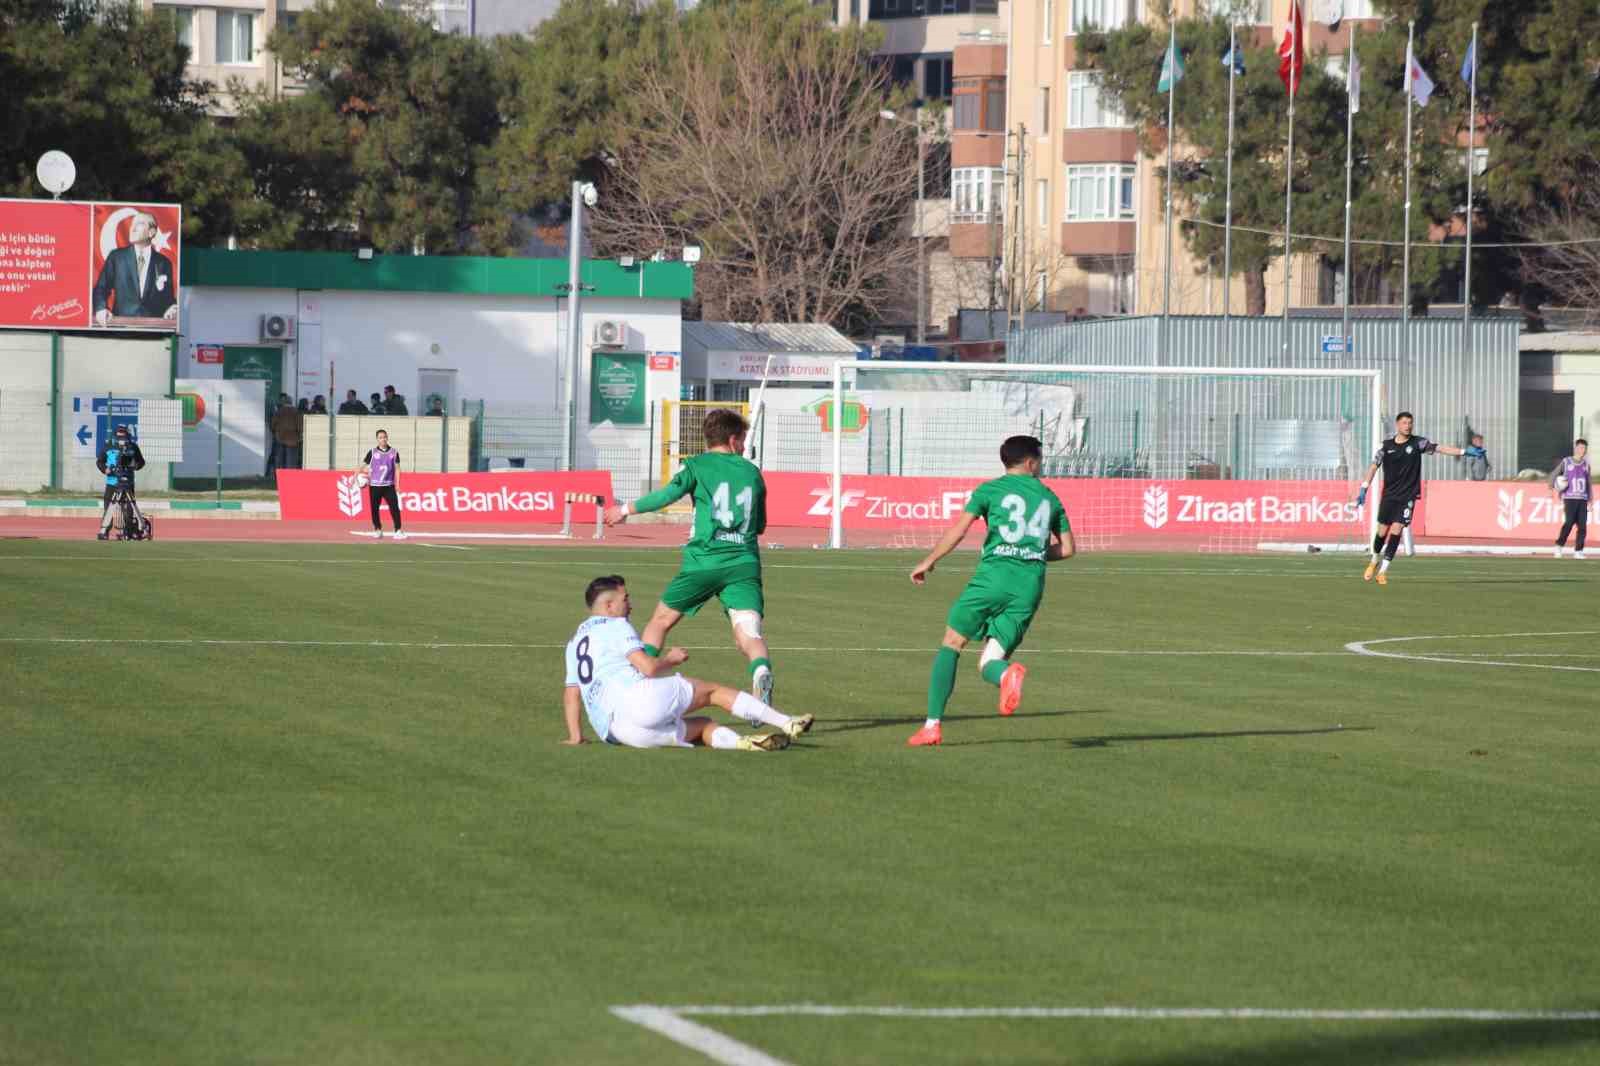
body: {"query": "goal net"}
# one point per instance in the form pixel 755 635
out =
pixel 1144 458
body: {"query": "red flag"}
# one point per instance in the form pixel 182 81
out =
pixel 1292 52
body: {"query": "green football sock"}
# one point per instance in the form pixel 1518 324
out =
pixel 756 664
pixel 994 669
pixel 652 651
pixel 942 681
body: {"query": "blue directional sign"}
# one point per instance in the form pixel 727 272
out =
pixel 96 418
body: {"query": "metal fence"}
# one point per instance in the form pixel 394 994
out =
pixel 1454 381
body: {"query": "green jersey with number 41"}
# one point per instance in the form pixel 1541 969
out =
pixel 1022 514
pixel 730 506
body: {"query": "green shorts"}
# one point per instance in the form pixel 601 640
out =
pixel 989 608
pixel 738 586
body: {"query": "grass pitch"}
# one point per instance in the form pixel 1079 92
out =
pixel 305 804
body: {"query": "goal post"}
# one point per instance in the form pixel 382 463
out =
pixel 1144 457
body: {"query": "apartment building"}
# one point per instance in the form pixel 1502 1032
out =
pixel 227 39
pixel 1092 211
pixel 924 42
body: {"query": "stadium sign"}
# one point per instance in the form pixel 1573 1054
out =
pixel 498 497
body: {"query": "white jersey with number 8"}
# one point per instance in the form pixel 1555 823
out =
pixel 597 662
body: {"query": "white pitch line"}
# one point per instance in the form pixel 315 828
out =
pixel 1465 1014
pixel 713 1045
pixel 1364 647
pixel 437 644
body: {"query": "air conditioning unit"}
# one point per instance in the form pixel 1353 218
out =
pixel 610 333
pixel 277 327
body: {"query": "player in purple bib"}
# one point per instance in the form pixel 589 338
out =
pixel 382 467
pixel 1571 481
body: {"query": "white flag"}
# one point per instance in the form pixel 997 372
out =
pixel 1418 84
pixel 1354 82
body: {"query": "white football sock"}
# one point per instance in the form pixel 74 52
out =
pixel 722 737
pixel 930 723
pixel 1384 568
pixel 755 712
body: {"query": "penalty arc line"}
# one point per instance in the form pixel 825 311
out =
pixel 707 1041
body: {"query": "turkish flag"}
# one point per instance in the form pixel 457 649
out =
pixel 1292 52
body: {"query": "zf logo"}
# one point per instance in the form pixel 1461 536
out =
pixel 822 505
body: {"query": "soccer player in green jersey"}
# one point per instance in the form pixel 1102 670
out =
pixel 1027 528
pixel 722 558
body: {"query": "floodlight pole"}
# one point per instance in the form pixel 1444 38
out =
pixel 569 440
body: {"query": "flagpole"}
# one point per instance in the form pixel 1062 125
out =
pixel 1227 208
pixel 1351 64
pixel 1405 255
pixel 1288 182
pixel 1472 161
pixel 1172 101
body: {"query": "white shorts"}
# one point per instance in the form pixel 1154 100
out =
pixel 651 713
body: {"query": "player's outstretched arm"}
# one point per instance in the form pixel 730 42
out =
pixel 572 710
pixel 656 665
pixel 1451 449
pixel 1061 547
pixel 947 544
pixel 681 485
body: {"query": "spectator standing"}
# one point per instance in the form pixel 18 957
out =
pixel 319 406
pixel 393 402
pixel 1477 459
pixel 382 467
pixel 376 405
pixel 287 428
pixel 435 408
pixel 352 404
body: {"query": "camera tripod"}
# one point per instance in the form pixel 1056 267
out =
pixel 136 525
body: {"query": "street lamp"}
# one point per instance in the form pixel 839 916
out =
pixel 922 237
pixel 583 194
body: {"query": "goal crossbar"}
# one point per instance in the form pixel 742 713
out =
pixel 836 530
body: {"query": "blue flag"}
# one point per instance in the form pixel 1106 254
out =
pixel 1235 59
pixel 1171 70
pixel 1469 66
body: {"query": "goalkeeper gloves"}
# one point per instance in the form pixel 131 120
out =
pixel 1361 497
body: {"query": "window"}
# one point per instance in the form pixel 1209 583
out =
pixel 1252 12
pixel 977 194
pixel 1100 193
pixel 1359 9
pixel 936 77
pixel 1046 16
pixel 1103 14
pixel 1041 117
pixel 236 37
pixel 1041 199
pixel 183 22
pixel 978 104
pixel 964 111
pixel 1087 106
pixel 1480 160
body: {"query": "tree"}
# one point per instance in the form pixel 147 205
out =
pixel 755 133
pixel 385 145
pixel 1131 60
pixel 1568 268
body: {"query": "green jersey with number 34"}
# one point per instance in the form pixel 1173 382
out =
pixel 1022 514
pixel 730 506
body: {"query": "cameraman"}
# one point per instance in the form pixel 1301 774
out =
pixel 118 462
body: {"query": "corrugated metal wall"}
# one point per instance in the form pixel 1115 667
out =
pixel 1447 389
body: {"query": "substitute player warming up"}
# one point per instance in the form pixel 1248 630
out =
pixel 1571 480
pixel 1027 528
pixel 722 558
pixel 381 465
pixel 1400 459
pixel 632 700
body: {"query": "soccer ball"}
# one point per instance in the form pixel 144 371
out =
pixel 1561 482
pixel 361 481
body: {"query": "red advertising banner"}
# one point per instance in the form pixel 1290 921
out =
pixel 1098 506
pixel 501 497
pixel 1490 510
pixel 71 265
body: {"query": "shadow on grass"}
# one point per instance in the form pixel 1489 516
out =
pixel 847 725
pixel 1388 1044
pixel 1135 738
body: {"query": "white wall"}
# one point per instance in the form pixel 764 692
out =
pixel 24 360
pixel 506 350
pixel 1579 372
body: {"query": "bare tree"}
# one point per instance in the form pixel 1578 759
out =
pixel 1568 267
pixel 765 147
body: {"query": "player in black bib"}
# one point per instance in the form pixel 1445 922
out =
pixel 1400 459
